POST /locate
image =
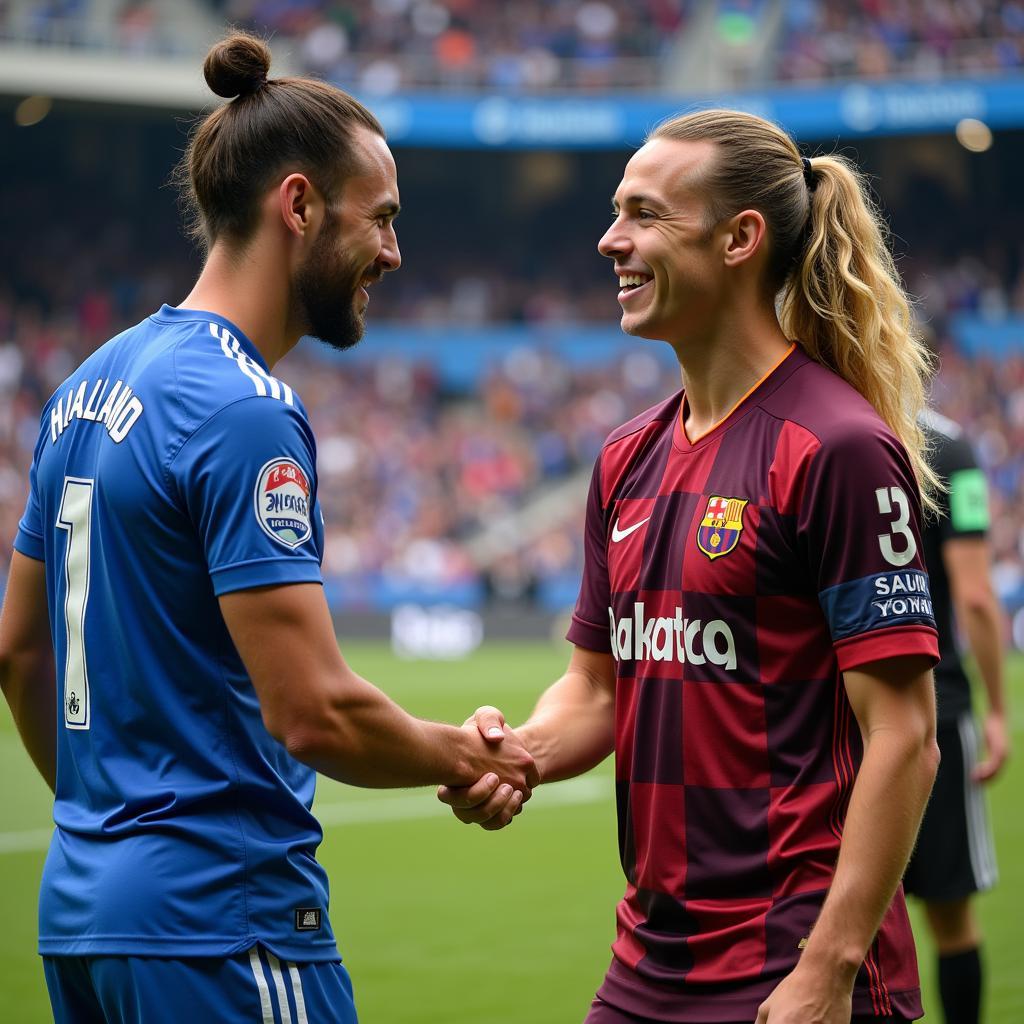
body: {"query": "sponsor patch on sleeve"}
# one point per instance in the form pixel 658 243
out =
pixel 878 601
pixel 282 500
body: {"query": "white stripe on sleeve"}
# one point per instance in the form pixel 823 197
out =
pixel 278 388
pixel 254 370
pixel 244 364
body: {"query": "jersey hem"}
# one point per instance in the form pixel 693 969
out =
pixel 207 946
pixel 881 644
pixel 627 990
pixel 27 544
pixel 261 572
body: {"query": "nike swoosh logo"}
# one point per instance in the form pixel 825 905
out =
pixel 618 534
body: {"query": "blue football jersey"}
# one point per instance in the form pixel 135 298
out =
pixel 171 467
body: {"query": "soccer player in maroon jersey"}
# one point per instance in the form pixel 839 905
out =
pixel 754 634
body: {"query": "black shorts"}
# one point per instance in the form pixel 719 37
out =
pixel 954 856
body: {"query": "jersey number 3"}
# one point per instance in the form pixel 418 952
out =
pixel 75 516
pixel 899 527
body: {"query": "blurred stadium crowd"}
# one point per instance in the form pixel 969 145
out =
pixel 537 44
pixel 385 45
pixel 413 474
pixel 410 471
pixel 870 39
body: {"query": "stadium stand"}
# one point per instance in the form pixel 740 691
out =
pixel 589 45
pixel 867 39
pixel 411 472
pixel 429 501
pixel 391 44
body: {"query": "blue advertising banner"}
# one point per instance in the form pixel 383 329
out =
pixel 462 355
pixel 499 121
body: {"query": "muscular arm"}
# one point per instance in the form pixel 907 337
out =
pixel 894 703
pixel 968 566
pixel 336 722
pixel 26 663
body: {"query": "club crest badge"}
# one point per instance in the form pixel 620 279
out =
pixel 720 529
pixel 282 502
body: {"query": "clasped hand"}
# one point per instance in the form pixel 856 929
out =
pixel 498 795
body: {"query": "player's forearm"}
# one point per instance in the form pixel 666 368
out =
pixel 884 814
pixel 325 714
pixel 363 738
pixel 28 683
pixel 982 623
pixel 572 728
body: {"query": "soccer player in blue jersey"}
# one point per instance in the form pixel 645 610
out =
pixel 172 542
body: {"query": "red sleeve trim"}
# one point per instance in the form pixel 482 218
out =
pixel 894 642
pixel 586 634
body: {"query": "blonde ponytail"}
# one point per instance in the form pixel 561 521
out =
pixel 830 268
pixel 846 304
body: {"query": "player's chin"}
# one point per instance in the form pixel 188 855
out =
pixel 639 327
pixel 630 323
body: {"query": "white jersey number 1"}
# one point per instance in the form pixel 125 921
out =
pixel 75 516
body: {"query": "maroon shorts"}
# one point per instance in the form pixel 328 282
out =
pixel 604 1013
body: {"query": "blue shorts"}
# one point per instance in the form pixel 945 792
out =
pixel 251 988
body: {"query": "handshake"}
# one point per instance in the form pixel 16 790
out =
pixel 507 777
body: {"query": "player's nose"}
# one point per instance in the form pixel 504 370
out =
pixel 390 254
pixel 615 241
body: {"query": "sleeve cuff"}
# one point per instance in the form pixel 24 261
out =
pixel 586 634
pixel 880 644
pixel 30 545
pixel 955 534
pixel 265 572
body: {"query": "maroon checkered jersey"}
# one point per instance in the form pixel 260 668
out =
pixel 733 579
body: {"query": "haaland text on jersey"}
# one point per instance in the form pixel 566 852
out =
pixel 113 405
pixel 668 638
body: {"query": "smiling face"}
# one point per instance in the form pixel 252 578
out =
pixel 356 245
pixel 667 259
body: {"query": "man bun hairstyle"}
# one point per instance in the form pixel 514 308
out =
pixel 237 65
pixel 273 126
pixel 830 270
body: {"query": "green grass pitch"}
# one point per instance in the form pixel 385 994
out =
pixel 439 922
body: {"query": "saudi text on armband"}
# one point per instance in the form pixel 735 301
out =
pixel 882 599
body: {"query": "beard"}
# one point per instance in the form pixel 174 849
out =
pixel 325 289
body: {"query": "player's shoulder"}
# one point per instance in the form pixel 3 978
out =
pixel 215 395
pixel 214 365
pixel 656 418
pixel 814 400
pixel 626 446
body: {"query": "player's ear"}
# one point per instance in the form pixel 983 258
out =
pixel 746 234
pixel 299 205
